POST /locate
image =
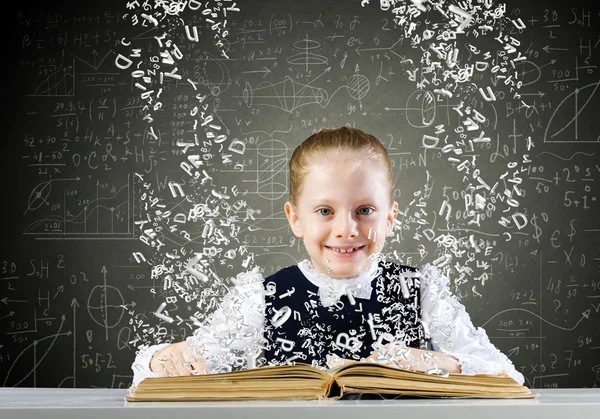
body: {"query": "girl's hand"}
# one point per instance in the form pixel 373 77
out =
pixel 178 359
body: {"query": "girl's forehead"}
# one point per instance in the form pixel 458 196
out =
pixel 334 155
pixel 352 180
pixel 336 164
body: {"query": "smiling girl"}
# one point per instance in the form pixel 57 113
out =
pixel 347 302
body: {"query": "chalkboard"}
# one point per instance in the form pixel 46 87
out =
pixel 144 164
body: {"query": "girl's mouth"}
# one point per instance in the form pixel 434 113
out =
pixel 345 253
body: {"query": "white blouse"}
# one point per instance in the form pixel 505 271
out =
pixel 239 322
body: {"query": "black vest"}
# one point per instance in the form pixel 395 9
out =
pixel 348 330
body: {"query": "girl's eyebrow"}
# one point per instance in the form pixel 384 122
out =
pixel 324 200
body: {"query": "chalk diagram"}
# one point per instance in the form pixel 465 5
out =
pixel 106 305
pixel 271 176
pixel 30 358
pixel 358 86
pixel 420 109
pixel 530 72
pixel 58 83
pixel 95 64
pixel 61 82
pixel 305 57
pixel 571 108
pixel 109 216
pixel 585 315
pixel 289 94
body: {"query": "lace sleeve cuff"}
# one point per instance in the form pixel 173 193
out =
pixel 141 364
pixel 452 332
pixel 471 365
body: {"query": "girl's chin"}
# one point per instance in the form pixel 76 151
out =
pixel 345 270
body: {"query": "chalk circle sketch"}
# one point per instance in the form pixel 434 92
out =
pixel 574 111
pixel 272 180
pixel 287 95
pixel 38 196
pixel 102 300
pixel 358 86
pixel 420 109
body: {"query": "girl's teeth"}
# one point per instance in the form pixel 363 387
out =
pixel 344 251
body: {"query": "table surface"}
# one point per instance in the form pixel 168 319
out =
pixel 110 403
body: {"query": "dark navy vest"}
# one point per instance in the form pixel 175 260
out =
pixel 299 329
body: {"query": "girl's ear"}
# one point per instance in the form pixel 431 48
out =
pixel 391 218
pixel 293 219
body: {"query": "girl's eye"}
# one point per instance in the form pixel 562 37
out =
pixel 324 209
pixel 362 212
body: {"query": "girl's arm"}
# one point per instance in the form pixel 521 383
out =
pixel 406 358
pixel 233 331
pixel 425 360
pixel 453 333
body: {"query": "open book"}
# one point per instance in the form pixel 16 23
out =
pixel 302 381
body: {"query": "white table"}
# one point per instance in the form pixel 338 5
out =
pixel 52 403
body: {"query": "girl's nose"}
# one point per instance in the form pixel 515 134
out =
pixel 346 226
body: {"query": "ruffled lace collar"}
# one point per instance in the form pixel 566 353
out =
pixel 331 289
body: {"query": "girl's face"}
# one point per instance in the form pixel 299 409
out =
pixel 343 205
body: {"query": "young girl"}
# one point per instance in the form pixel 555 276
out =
pixel 347 302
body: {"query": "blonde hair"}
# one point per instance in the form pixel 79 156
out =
pixel 365 146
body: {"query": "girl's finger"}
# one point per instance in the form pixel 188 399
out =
pixel 171 368
pixel 160 367
pixel 184 370
pixel 199 368
pixel 189 368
